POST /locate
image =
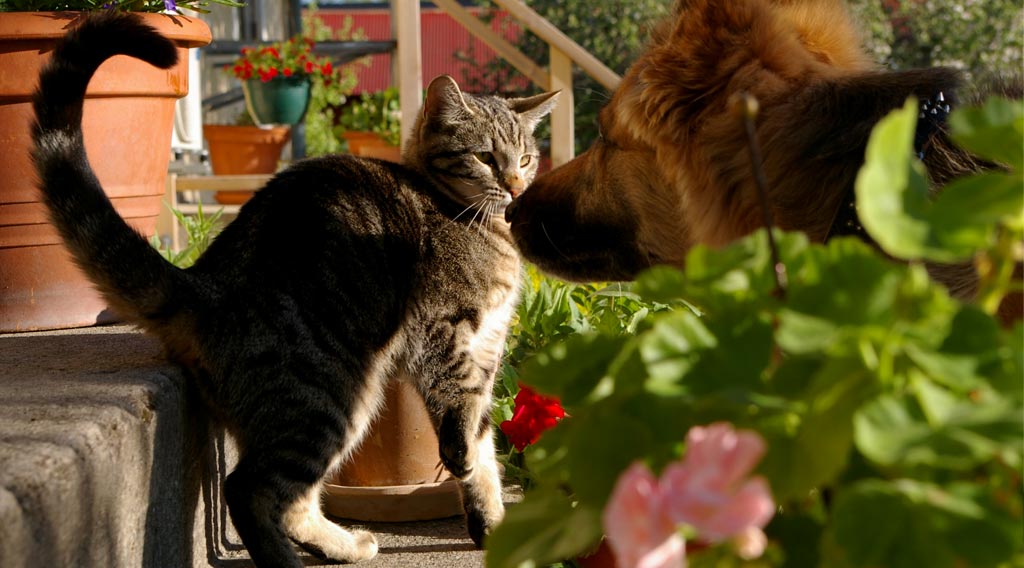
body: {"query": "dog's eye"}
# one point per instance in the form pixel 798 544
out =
pixel 486 158
pixel 525 160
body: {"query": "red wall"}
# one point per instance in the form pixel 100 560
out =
pixel 442 38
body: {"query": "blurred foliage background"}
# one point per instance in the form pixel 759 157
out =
pixel 981 37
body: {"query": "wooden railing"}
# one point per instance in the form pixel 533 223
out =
pixel 563 53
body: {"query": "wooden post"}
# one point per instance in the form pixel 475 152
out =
pixel 406 63
pixel 562 117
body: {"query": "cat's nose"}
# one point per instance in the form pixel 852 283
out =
pixel 515 184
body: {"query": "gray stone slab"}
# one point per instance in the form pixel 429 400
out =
pixel 107 461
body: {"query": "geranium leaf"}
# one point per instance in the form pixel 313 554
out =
pixel 892 193
pixel 964 216
pixel 907 433
pixel 602 444
pixel 810 448
pixel 570 370
pixel 546 527
pixel 994 131
pixel 909 524
pixel 672 347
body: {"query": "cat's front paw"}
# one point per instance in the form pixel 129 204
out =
pixel 456 459
pixel 480 522
pixel 457 454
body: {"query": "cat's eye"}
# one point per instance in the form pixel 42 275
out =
pixel 525 160
pixel 485 158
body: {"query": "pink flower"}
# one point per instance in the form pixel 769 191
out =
pixel 750 543
pixel 636 524
pixel 710 490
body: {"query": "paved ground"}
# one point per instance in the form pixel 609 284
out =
pixel 426 544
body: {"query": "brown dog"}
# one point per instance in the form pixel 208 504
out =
pixel 671 168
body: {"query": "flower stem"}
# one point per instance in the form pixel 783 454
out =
pixel 746 106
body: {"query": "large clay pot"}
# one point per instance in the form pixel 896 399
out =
pixel 128 118
pixel 396 474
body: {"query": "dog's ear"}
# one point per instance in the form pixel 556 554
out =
pixel 444 101
pixel 532 109
pixel 837 116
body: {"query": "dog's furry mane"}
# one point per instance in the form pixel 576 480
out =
pixel 671 168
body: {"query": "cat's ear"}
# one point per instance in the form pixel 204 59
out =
pixel 444 101
pixel 532 109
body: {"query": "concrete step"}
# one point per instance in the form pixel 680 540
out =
pixel 106 460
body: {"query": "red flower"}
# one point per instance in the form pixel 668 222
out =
pixel 533 415
pixel 290 58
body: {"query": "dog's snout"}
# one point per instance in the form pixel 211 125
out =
pixel 510 211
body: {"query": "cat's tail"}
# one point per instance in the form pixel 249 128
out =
pixel 132 276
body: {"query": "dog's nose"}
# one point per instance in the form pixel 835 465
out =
pixel 510 211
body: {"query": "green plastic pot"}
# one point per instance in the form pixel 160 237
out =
pixel 281 100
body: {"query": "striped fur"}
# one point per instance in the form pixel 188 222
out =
pixel 335 276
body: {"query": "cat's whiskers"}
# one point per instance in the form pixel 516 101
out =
pixel 479 206
pixel 471 205
pixel 468 207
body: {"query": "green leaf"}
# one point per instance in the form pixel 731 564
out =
pixel 842 283
pixel 572 369
pixel 964 216
pixel 672 347
pixel 893 196
pixel 545 527
pixel 796 533
pixel 602 444
pixel 909 524
pixel 935 431
pixel 809 448
pixel 994 131
pixel 661 284
pixel 892 192
pixel 744 345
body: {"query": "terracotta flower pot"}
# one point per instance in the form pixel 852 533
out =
pixel 396 474
pixel 128 118
pixel 386 152
pixel 358 139
pixel 243 150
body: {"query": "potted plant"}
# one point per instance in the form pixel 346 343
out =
pixel 281 81
pixel 129 111
pixel 372 125
pixel 277 79
pixel 243 148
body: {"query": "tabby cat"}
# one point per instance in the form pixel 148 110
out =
pixel 336 275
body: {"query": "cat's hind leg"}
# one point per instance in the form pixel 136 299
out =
pixel 289 443
pixel 305 523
